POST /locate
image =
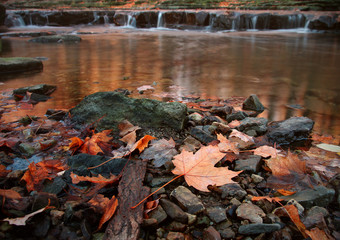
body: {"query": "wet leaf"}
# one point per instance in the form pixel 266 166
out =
pixel 99 179
pixel 8 193
pixel 241 138
pixel 34 177
pixel 149 206
pixel 142 143
pixel 266 151
pixel 317 234
pixel 329 147
pixel 99 202
pixel 270 199
pixel 285 192
pixel 3 171
pixel 234 124
pixel 91 145
pixel 161 151
pixel 21 221
pixel 225 145
pixel 75 144
pixel 109 211
pixel 199 171
pixel 125 127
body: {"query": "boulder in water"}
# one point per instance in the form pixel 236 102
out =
pixel 56 39
pixel 19 64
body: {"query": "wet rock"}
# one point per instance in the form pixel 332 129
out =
pixel 258 228
pixel 187 200
pixel 174 211
pixel 236 116
pixel 217 214
pixel 55 114
pixel 200 134
pixel 208 120
pixel 56 216
pixel 42 199
pixel 41 89
pixel 227 233
pixel 22 163
pixel 315 217
pixel 211 234
pixel 56 39
pixel 160 181
pixel 191 219
pixel 56 186
pixel 42 226
pixel 19 64
pixel 116 107
pixel 256 178
pixel 324 23
pixel 252 164
pixel 112 167
pixel 176 226
pixel 259 125
pixel 233 190
pixel 2 14
pixel 250 212
pixel 290 130
pixel 221 128
pixel 319 196
pixel 38 98
pixel 159 214
pixel 190 144
pixel 195 117
pixel 150 223
pixel 175 236
pixel 221 111
pixel 203 222
pixel 253 103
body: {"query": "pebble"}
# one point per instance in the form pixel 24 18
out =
pixel 256 178
pixel 211 234
pixel 252 164
pixel 253 103
pixel 174 211
pixel 250 212
pixel 159 214
pixel 203 136
pixel 315 217
pixel 175 236
pixel 233 190
pixel 176 226
pixel 56 216
pixel 258 228
pixel 227 233
pixel 216 214
pixel 187 200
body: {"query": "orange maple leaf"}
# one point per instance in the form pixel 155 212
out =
pixel 225 145
pixel 270 199
pixel 8 193
pixel 109 211
pixel 317 234
pixel 198 169
pixel 91 145
pixel 266 151
pixel 99 179
pixel 34 176
pixel 285 192
pixel 75 144
pixel 3 171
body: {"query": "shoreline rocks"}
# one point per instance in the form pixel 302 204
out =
pixel 19 64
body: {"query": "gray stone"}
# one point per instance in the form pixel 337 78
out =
pixel 290 130
pixel 258 228
pixel 227 233
pixel 253 103
pixel 149 223
pixel 175 236
pixel 259 125
pixel 19 64
pixel 115 107
pixel 203 136
pixel 41 89
pixel 236 116
pixel 252 164
pixel 112 167
pixel 174 211
pixel 56 186
pixel 250 212
pixel 190 144
pixel 187 200
pixel 256 178
pixel 56 39
pixel 195 117
pixel 315 217
pixel 211 234
pixel 176 226
pixel 217 214
pixel 160 181
pixel 319 196
pixel 159 214
pixel 233 190
pixel 27 149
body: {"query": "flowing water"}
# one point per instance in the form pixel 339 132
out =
pixel 293 73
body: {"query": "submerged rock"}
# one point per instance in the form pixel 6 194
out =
pixel 291 130
pixel 19 64
pixel 111 108
pixel 41 89
pixel 56 39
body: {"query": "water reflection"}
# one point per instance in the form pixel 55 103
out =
pixel 293 74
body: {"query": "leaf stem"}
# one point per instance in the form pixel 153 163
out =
pixel 157 190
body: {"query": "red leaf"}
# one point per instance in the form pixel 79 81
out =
pixel 109 211
pixel 34 176
pixel 10 194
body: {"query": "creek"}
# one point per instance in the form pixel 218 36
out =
pixel 293 72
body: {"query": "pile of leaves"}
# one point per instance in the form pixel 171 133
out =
pixel 88 200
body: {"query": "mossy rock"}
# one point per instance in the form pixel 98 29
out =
pixel 20 64
pixel 56 39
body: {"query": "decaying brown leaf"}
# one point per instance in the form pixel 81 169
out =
pixel 225 145
pixel 270 199
pixel 100 179
pixel 109 211
pixel 266 151
pixel 241 138
pixel 199 171
pixel 8 193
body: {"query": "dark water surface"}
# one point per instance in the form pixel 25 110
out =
pixel 293 74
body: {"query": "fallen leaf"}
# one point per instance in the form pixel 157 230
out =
pixel 145 87
pixel 241 138
pixel 8 142
pixel 199 171
pixel 8 193
pixel 34 176
pixel 91 145
pixel 149 206
pixel 161 151
pixel 142 143
pixel 99 202
pixel 266 151
pixel 21 221
pixel 125 127
pixel 270 199
pixel 285 192
pixel 99 179
pixel 129 139
pixel 3 171
pixel 225 145
pixel 234 124
pixel 329 147
pixel 75 144
pixel 317 234
pixel 109 211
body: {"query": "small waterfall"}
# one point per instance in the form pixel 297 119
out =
pixel 235 24
pixel 212 20
pixel 160 20
pixel 14 20
pixel 254 21
pixel 307 24
pixel 45 14
pixel 106 19
pixel 131 21
pixel 95 18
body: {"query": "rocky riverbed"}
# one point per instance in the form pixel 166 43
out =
pixel 98 156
